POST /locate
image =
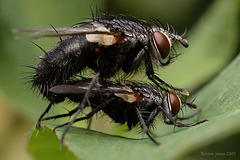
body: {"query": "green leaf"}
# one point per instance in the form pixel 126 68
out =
pixel 220 101
pixel 45 145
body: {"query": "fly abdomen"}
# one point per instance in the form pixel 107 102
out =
pixel 67 58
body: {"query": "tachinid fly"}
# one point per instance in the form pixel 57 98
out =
pixel 127 102
pixel 106 44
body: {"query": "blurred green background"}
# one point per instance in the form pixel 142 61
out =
pixel 213 29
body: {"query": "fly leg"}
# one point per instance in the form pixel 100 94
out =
pixel 144 126
pixel 88 116
pixel 40 119
pixel 131 63
pixel 69 114
pixel 188 117
pixel 152 116
pixel 151 75
pixel 169 120
pixel 82 105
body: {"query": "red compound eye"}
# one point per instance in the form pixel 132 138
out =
pixel 162 44
pixel 175 103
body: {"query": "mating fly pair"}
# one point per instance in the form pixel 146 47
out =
pixel 105 44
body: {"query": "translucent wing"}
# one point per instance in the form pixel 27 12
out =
pixel 52 32
pixel 82 88
pixel 94 32
pixel 124 92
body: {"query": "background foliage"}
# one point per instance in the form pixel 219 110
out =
pixel 213 27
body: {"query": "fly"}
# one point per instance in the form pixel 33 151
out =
pixel 127 102
pixel 106 44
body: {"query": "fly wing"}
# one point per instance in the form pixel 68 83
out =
pixel 69 89
pixel 123 92
pixel 81 88
pixel 63 33
pixel 40 30
pixel 95 31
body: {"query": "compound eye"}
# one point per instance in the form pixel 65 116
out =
pixel 162 43
pixel 175 103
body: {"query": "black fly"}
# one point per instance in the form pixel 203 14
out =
pixel 130 102
pixel 106 44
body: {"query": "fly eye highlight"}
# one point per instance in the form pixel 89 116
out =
pixel 174 103
pixel 162 43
